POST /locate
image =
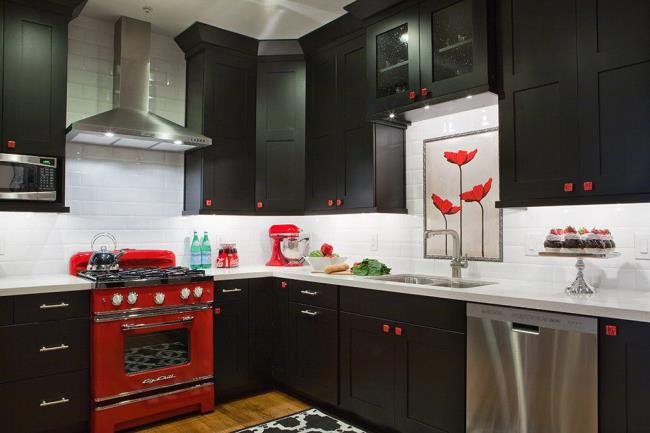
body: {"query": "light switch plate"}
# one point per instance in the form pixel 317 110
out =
pixel 642 246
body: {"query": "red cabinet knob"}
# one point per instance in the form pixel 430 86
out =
pixel 386 329
pixel 208 202
pixel 611 330
pixel 330 203
pixel 217 311
pixel 412 94
pixel 283 284
pixel 588 186
pixel 339 202
pixel 398 331
pixel 424 91
pixel 568 187
pixel 260 205
pixel 11 144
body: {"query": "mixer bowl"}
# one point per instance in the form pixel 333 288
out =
pixel 294 249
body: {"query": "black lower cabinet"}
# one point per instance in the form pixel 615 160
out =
pixel 261 332
pixel 231 348
pixel 313 352
pixel 368 369
pixel 280 327
pixel 624 376
pixel 431 380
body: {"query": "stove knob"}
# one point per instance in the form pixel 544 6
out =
pixel 159 298
pixel 117 299
pixel 198 291
pixel 185 293
pixel 132 298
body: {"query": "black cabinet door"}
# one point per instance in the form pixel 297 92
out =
pixel 313 352
pixel 231 350
pixel 453 46
pixel 280 168
pixel 356 181
pixel 430 380
pixel 614 66
pixel 323 156
pixel 539 146
pixel 261 331
pixel 280 328
pixel 368 366
pixel 35 76
pixel 393 61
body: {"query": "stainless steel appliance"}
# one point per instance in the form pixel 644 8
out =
pixel 530 371
pixel 27 177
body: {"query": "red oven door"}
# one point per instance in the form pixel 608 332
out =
pixel 135 354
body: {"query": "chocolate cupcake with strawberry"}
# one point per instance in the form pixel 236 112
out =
pixel 593 242
pixel 553 241
pixel 573 242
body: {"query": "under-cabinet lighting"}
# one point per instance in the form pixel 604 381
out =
pixel 391 116
pixel 109 134
pixel 178 142
pixel 426 107
pixel 404 38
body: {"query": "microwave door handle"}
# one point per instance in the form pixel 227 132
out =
pixel 132 326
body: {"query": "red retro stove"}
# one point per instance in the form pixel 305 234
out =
pixel 152 350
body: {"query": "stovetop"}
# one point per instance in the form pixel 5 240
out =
pixel 144 276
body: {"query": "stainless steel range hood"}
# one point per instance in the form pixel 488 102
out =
pixel 130 123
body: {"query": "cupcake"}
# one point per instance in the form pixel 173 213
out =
pixel 553 241
pixel 593 242
pixel 572 241
pixel 609 240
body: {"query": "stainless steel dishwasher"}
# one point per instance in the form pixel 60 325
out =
pixel 530 371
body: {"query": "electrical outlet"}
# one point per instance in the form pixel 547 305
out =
pixel 534 243
pixel 642 246
pixel 374 242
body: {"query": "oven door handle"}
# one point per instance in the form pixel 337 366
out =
pixel 132 326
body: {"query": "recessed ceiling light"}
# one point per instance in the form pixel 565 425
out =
pixel 469 96
pixel 391 115
pixel 404 38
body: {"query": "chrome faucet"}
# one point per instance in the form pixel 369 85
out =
pixel 457 262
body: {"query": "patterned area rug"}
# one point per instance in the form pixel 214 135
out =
pixel 309 421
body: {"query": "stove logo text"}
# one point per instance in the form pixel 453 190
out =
pixel 150 380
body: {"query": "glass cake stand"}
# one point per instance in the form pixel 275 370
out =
pixel 580 286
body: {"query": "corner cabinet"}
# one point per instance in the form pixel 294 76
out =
pixel 352 165
pixel 280 143
pixel 430 52
pixel 576 97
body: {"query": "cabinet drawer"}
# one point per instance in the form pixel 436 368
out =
pixel 418 310
pixel 43 349
pixel 320 295
pixel 6 310
pixel 233 290
pixel 50 404
pixel 51 306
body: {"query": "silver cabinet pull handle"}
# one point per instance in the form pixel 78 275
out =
pixel 309 313
pixel 53 348
pixel 309 292
pixel 55 402
pixel 130 326
pixel 50 306
pixel 235 290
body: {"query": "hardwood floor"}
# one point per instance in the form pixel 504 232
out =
pixel 232 416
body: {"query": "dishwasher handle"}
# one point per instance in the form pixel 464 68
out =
pixel 522 328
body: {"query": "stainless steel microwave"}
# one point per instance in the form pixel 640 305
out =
pixel 27 177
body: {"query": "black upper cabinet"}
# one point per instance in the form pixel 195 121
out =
pixel 454 47
pixel 280 144
pixel 352 164
pixel 430 52
pixel 34 80
pixel 576 97
pixel 221 89
pixel 393 61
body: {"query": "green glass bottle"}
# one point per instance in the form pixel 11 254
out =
pixel 195 252
pixel 206 252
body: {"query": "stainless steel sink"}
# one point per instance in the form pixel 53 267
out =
pixel 429 280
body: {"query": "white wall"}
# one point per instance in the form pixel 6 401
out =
pixel 137 195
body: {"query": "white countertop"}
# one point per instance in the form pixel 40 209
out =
pixel 614 303
pixel 32 284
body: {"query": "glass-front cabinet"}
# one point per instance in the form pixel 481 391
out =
pixel 454 46
pixel 393 61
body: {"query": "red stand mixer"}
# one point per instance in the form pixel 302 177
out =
pixel 289 247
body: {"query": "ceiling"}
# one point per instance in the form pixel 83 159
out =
pixel 261 19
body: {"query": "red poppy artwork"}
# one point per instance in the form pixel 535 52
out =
pixel 461 187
